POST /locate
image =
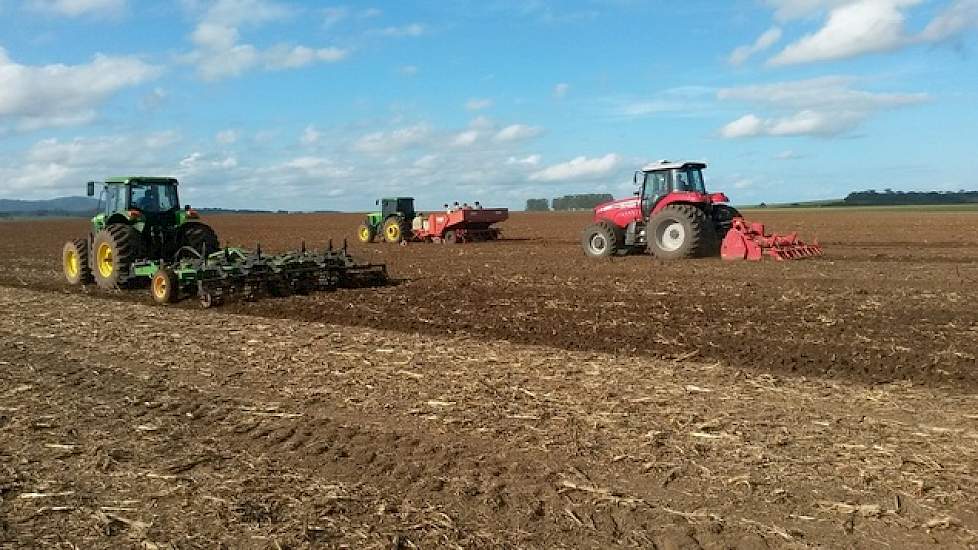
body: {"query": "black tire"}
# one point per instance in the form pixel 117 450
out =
pixel 679 231
pixel 165 287
pixel 723 217
pixel 396 230
pixel 602 240
pixel 366 233
pixel 123 246
pixel 200 237
pixel 75 263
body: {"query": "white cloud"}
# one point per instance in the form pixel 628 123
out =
pixel 310 136
pixel 959 16
pixel 412 30
pixel 561 89
pixel 787 155
pixel 154 99
pixel 392 141
pixel 824 106
pixel 335 14
pixel 477 104
pixel 517 132
pixel 63 95
pixel 235 13
pixel 226 137
pixel 786 10
pixel 220 54
pixel 466 138
pixel 292 57
pixel 860 27
pixel 78 8
pixel 408 70
pixel 531 160
pixel 577 168
pixel 857 27
pixel 770 37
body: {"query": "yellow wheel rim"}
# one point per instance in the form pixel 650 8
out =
pixel 104 260
pixel 159 286
pixel 72 266
pixel 393 232
pixel 364 234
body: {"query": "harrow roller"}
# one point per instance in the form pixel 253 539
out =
pixel 239 274
pixel 748 241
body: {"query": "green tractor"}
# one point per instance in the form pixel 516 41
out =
pixel 138 226
pixel 393 222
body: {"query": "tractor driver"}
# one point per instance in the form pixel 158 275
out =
pixel 150 201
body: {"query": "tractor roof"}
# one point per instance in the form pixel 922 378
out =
pixel 123 180
pixel 668 165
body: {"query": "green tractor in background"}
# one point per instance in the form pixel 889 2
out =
pixel 393 222
pixel 139 220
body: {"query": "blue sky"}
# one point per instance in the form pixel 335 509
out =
pixel 318 105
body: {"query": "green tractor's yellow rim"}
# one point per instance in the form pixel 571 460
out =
pixel 72 266
pixel 159 286
pixel 364 234
pixel 103 257
pixel 393 232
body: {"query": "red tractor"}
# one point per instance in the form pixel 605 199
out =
pixel 674 217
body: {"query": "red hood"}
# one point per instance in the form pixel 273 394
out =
pixel 620 204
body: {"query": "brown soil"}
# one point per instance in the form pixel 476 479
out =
pixel 505 394
pixel 893 299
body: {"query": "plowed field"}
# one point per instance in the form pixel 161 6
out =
pixel 509 394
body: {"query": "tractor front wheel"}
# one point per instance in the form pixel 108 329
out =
pixel 679 231
pixel 74 259
pixel 165 286
pixel 366 233
pixel 394 230
pixel 602 240
pixel 115 249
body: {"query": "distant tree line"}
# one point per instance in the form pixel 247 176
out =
pixel 568 202
pixel 890 197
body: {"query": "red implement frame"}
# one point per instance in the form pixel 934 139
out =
pixel 463 225
pixel 747 241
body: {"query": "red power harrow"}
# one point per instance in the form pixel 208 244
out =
pixel 747 241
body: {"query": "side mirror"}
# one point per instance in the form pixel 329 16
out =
pixel 186 207
pixel 636 193
pixel 377 202
pixel 635 177
pixel 90 189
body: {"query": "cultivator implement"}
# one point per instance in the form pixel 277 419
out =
pixel 240 274
pixel 748 241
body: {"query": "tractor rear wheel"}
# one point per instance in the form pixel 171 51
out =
pixel 679 231
pixel 165 286
pixel 395 230
pixel 115 249
pixel 74 259
pixel 602 240
pixel 366 233
pixel 200 237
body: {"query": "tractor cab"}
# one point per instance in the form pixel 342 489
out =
pixel 399 206
pixel 681 181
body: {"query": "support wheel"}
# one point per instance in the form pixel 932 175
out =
pixel 74 260
pixel 116 248
pixel 165 286
pixel 602 240
pixel 366 233
pixel 679 231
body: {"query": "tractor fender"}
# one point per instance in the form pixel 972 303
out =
pixel 699 200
